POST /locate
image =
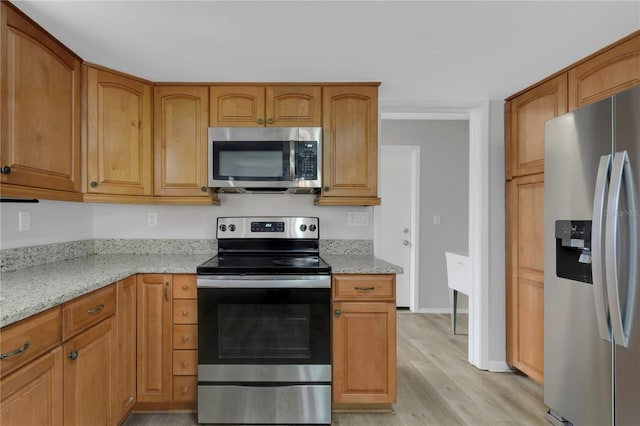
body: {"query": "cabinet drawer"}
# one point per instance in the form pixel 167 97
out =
pixel 374 287
pixel 85 311
pixel 184 287
pixel 185 363
pixel 185 312
pixel 42 332
pixel 185 336
pixel 184 388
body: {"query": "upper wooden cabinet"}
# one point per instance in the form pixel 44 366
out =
pixel 350 146
pixel 40 112
pixel 181 121
pixel 275 106
pixel 605 74
pixel 119 147
pixel 527 114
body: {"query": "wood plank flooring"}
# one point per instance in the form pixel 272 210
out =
pixel 436 385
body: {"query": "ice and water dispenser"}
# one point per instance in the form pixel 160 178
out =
pixel 573 250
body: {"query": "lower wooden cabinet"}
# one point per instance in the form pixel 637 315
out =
pixel 33 394
pixel 126 342
pixel 364 340
pixel 89 379
pixel 185 353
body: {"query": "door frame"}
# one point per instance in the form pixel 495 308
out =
pixel 414 268
pixel 479 218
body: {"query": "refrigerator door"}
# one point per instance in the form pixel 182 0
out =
pixel 578 376
pixel 627 359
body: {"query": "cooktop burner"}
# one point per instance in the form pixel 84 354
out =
pixel 263 264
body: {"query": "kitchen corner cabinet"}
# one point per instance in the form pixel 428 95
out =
pixel 154 317
pixel 119 150
pixel 350 146
pixel 126 342
pixel 181 121
pixel 271 106
pixel 605 74
pixel 364 340
pixel 40 113
pixel 528 113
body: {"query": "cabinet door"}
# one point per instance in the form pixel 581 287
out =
pixel 527 276
pixel 89 377
pixel 606 74
pixel 181 121
pixel 33 395
pixel 237 106
pixel 295 106
pixel 40 113
pixel 364 352
pixel 154 338
pixel 350 145
pixel 529 111
pixel 118 134
pixel 126 339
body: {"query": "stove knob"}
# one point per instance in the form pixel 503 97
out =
pixel 232 227
pixel 303 227
pixel 312 228
pixel 223 228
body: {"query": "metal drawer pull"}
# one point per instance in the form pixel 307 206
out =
pixel 185 313
pixel 128 401
pixel 166 291
pixel 73 355
pixel 185 364
pixel 185 389
pixel 365 288
pixel 185 287
pixel 96 310
pixel 338 312
pixel 185 338
pixel 17 351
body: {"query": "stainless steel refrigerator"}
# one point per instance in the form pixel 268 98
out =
pixel 591 283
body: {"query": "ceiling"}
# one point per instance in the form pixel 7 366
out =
pixel 423 52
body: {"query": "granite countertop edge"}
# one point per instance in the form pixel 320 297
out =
pixel 29 291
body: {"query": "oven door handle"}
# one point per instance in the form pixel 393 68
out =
pixel 264 281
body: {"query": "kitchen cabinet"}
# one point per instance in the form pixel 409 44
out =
pixel 185 351
pixel 40 116
pixel 350 145
pixel 89 376
pixel 606 73
pixel 528 113
pixel 126 342
pixel 364 339
pixel 119 150
pixel 257 106
pixel 526 277
pixel 181 122
pixel 154 318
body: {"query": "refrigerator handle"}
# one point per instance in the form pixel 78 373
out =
pixel 620 170
pixel 599 291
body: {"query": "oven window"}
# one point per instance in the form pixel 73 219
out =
pixel 264 331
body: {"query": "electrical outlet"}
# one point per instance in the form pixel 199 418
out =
pixel 358 219
pixel 436 219
pixel 24 221
pixel 152 220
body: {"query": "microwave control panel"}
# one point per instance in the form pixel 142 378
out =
pixel 306 160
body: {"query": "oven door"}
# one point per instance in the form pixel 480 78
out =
pixel 264 321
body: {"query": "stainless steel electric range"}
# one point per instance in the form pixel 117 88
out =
pixel 264 339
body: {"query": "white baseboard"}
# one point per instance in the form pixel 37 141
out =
pixel 498 367
pixel 439 311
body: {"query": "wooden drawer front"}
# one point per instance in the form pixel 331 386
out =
pixel 185 312
pixel 184 287
pixel 185 363
pixel 184 388
pixel 85 311
pixel 42 331
pixel 185 336
pixel 375 287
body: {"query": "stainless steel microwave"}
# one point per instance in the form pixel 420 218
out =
pixel 280 159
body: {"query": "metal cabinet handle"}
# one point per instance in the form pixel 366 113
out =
pixel 337 312
pixel 327 188
pixel 270 120
pixel 185 287
pixel 365 288
pixel 5 170
pixel 73 355
pixel 94 184
pixel 185 338
pixel 260 121
pixel 17 351
pixel 166 291
pixel 203 188
pixel 128 401
pixel 185 389
pixel 185 364
pixel 96 310
pixel 185 313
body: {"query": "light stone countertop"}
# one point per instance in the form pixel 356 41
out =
pixel 33 290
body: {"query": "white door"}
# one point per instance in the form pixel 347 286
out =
pixel 395 219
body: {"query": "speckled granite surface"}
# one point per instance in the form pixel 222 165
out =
pixel 155 246
pixel 26 257
pixel 346 247
pixel 359 264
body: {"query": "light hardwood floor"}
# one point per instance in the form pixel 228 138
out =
pixel 436 385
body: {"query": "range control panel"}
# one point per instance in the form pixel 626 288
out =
pixel 285 227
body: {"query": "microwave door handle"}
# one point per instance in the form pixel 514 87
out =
pixel 292 160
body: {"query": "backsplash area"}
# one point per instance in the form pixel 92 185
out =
pixel 25 257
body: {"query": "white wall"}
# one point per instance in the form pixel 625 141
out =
pixel 58 221
pixel 444 191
